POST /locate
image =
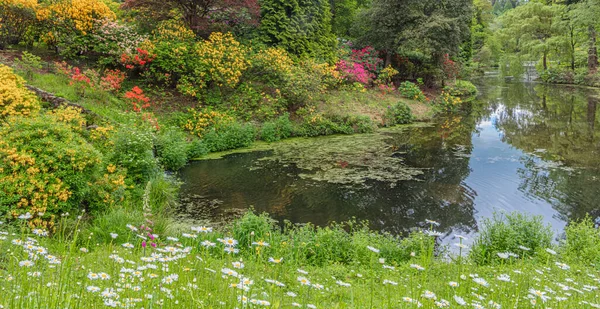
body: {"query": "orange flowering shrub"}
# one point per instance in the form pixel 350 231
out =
pixel 15 99
pixel 138 99
pixel 112 80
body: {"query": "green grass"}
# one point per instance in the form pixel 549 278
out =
pixel 342 270
pixel 372 103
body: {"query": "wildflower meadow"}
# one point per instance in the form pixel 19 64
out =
pixel 253 263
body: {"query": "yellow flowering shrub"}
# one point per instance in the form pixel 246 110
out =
pixel 172 30
pixel 274 61
pixel 63 21
pixel 200 121
pixel 45 168
pixel 71 116
pixel 15 99
pixel 219 61
pixel 80 15
pixel 16 16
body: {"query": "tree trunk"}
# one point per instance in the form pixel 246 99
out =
pixel 592 51
pixel 388 58
pixel 573 45
pixel 545 61
pixel 591 112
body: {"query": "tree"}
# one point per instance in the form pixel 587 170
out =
pixel 431 28
pixel 586 14
pixel 529 29
pixel 202 16
pixel 302 27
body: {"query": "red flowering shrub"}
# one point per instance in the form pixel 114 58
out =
pixel 82 80
pixel 137 60
pixel 138 99
pixel 112 80
pixel 450 68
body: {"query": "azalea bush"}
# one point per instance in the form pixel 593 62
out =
pixel 46 168
pixel 70 25
pixel 400 113
pixel 15 99
pixel 446 102
pixel 138 100
pixel 358 65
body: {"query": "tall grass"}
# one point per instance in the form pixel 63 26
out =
pixel 252 263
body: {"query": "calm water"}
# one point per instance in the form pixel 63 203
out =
pixel 526 147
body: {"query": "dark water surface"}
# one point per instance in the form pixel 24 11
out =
pixel 526 147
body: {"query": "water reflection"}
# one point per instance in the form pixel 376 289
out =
pixel 522 147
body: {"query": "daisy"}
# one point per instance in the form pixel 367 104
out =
pixel 228 241
pixel 428 294
pixel 260 243
pixel 26 263
pixel 276 261
pixel 373 249
pixel 304 281
pixel 481 281
pixel 453 284
pixel 238 265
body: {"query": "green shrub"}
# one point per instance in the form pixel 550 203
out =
pixel 45 167
pixel 582 242
pixel 29 63
pixel 461 88
pixel 252 227
pixel 197 148
pixel 411 91
pixel 134 150
pixel 400 113
pixel 506 233
pixel 172 149
pixel 278 129
pixel 558 76
pixel 161 195
pixel 232 136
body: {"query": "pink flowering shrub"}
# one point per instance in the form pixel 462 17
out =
pixel 358 65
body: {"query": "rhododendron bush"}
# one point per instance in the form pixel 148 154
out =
pixel 358 65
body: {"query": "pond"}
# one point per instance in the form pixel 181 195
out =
pixel 522 146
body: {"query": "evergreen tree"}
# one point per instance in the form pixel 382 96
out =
pixel 302 27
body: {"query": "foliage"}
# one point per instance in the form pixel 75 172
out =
pixel 15 99
pixel 447 102
pixel 137 98
pixel 461 88
pixel 358 268
pixel 172 149
pixel 412 91
pixel 358 65
pixel 112 39
pixel 581 243
pixel 29 63
pixel 201 16
pixel 16 18
pixel 301 27
pixel 506 233
pixel 558 76
pixel 280 128
pixel 162 195
pixel 386 76
pixel 399 113
pixel 46 168
pixel 232 136
pixel 112 80
pixel 134 151
pixel 220 61
pixel 199 122
pixel 69 25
